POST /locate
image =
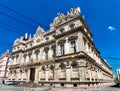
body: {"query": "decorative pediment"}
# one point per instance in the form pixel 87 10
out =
pixel 61 41
pixel 53 46
pixel 73 37
pixel 39 32
pixel 30 53
pixel 37 51
pixel 46 48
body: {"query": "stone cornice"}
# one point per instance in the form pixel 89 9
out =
pixel 49 32
pixel 18 51
pixel 68 32
pixel 90 41
pixel 85 25
pixel 41 44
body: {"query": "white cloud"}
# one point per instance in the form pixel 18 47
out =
pixel 111 28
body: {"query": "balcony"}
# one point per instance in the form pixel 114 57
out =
pixel 34 63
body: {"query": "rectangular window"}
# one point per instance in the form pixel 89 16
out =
pixel 46 54
pixel 24 59
pixel 62 49
pixel 73 46
pixel 37 57
pixel 54 52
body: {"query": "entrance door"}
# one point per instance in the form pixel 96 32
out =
pixel 32 74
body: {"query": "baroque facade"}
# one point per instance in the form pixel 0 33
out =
pixel 4 65
pixel 64 56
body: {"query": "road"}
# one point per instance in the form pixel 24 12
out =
pixel 15 88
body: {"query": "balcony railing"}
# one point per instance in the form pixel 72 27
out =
pixel 34 63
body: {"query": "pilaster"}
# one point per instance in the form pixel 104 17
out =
pixel 68 72
pixel 28 75
pixel 36 75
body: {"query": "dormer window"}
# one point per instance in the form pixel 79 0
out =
pixel 72 26
pixel 62 30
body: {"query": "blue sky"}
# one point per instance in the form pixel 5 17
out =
pixel 101 16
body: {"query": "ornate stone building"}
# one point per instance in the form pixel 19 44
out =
pixel 64 56
pixel 4 65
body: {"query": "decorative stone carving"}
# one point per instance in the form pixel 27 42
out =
pixel 51 66
pixel 62 17
pixel 37 51
pixel 46 48
pixel 73 37
pixel 39 32
pixel 53 46
pixel 30 53
pixel 67 63
pixel 24 55
pixel 73 12
pixel 61 41
pixel 89 66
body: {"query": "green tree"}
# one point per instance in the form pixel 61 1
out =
pixel 116 79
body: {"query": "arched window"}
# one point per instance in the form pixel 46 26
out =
pixel 63 70
pixel 72 26
pixel 75 70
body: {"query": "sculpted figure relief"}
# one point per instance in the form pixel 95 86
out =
pixel 62 17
